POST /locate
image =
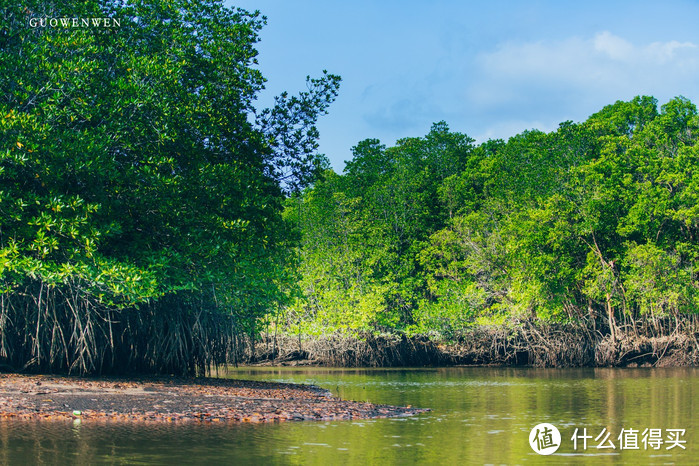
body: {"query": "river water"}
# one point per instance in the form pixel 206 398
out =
pixel 478 416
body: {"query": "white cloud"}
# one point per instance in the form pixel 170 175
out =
pixel 614 47
pixel 672 51
pixel 605 62
pixel 550 82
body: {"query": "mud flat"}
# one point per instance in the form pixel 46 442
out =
pixel 173 399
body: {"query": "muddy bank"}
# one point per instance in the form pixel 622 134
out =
pixel 170 399
pixel 569 345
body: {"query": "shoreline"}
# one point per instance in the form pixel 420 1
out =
pixel 177 400
pixel 526 345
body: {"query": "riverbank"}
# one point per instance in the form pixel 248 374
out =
pixel 174 399
pixel 526 344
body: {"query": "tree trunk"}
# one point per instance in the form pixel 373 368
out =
pixel 610 316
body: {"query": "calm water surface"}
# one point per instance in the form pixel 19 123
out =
pixel 479 415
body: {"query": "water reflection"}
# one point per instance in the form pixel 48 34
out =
pixel 480 415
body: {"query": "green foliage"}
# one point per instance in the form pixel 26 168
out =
pixel 363 231
pixel 596 220
pixel 660 282
pixel 136 175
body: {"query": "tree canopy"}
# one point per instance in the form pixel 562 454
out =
pixel 596 222
pixel 140 189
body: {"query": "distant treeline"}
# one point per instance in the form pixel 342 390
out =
pixel 596 222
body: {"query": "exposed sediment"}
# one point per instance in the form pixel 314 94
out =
pixel 170 399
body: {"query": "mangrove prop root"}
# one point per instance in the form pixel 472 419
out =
pixel 525 344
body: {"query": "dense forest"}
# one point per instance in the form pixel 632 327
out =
pixel 152 218
pixel 141 191
pixel 596 223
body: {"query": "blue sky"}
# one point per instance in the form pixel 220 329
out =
pixel 490 69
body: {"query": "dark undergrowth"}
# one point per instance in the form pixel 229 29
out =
pixel 62 329
pixel 526 343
